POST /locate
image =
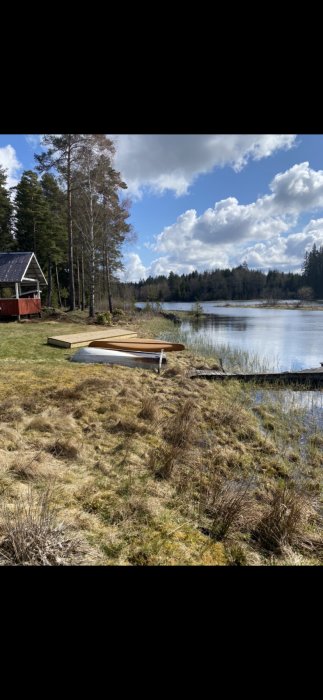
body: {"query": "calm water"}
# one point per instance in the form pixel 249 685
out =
pixel 283 339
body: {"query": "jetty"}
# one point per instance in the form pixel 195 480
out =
pixel 310 377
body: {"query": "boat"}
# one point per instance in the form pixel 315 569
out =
pixel 138 345
pixel 143 360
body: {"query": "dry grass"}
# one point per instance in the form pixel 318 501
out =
pixel 163 461
pixel 286 521
pixel 30 535
pixel 40 423
pixel 153 469
pixel 67 449
pixel 179 429
pixel 149 410
pixel 28 468
pixel 229 507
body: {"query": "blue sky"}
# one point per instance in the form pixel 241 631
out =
pixel 207 201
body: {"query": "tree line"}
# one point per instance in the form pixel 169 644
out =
pixel 69 212
pixel 238 283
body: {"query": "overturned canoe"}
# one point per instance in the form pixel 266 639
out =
pixel 138 345
pixel 115 357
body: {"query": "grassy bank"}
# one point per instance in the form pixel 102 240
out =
pixel 116 466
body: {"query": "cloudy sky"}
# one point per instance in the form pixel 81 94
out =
pixel 206 201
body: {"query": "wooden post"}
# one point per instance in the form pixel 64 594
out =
pixel 38 290
pixel 17 297
pixel 160 361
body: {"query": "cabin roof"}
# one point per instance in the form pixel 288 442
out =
pixel 20 267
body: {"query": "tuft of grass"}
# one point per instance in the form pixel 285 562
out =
pixel 285 522
pixel 64 448
pixel 163 461
pixel 40 423
pixel 30 535
pixel 26 469
pixel 149 409
pixel 179 429
pixel 229 507
pixel 128 427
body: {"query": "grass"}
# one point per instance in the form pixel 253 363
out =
pixel 32 536
pixel 148 469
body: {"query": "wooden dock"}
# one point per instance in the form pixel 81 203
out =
pixel 309 377
pixel 80 340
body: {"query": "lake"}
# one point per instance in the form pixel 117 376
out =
pixel 282 339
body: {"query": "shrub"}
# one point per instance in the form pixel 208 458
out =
pixel 104 318
pixel 118 312
pixel 196 310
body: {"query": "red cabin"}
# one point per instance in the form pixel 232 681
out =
pixel 20 280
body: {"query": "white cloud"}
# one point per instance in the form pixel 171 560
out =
pixel 259 232
pixel 134 269
pixel 9 161
pixel 162 162
pixel 300 188
pixel 33 140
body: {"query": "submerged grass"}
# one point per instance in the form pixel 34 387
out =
pixel 229 358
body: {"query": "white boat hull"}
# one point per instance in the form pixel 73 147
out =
pixel 143 360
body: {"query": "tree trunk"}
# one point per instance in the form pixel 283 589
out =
pixel 78 282
pixel 58 286
pixel 92 262
pixel 70 231
pixel 49 292
pixel 109 286
pixel 83 281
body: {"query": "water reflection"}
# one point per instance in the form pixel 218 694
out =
pixel 214 321
pixel 288 339
pixel 307 403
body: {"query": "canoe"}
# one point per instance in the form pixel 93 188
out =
pixel 138 345
pixel 115 357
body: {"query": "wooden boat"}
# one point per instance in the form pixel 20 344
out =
pixel 137 345
pixel 142 360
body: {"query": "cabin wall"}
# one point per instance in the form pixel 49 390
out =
pixel 19 307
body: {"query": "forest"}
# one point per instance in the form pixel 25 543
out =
pixel 72 212
pixel 240 283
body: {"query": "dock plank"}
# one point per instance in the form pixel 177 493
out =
pixel 79 340
pixel 310 377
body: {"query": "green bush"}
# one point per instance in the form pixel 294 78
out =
pixel 118 312
pixel 196 310
pixel 104 318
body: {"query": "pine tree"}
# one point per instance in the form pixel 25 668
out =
pixel 61 154
pixel 56 230
pixel 32 217
pixel 6 215
pixel 99 215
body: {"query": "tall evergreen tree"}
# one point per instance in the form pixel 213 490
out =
pixel 313 270
pixel 62 150
pixel 6 215
pixel 99 215
pixel 56 229
pixel 31 217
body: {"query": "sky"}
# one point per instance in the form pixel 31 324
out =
pixel 206 201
